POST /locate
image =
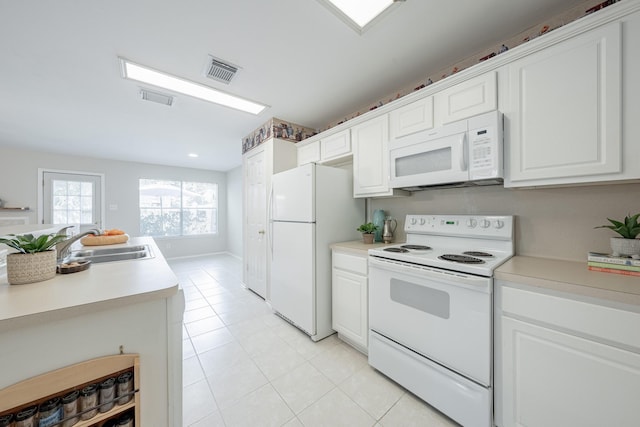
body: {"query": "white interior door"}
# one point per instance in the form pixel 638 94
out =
pixel 256 227
pixel 70 198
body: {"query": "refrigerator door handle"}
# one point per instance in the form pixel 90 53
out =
pixel 270 220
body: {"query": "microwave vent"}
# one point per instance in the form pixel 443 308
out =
pixel 220 70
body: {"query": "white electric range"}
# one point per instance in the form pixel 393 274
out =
pixel 431 310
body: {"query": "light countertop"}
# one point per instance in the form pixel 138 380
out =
pixel 102 286
pixel 358 246
pixel 571 277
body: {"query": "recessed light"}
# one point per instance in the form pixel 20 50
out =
pixel 194 155
pixel 147 75
pixel 357 13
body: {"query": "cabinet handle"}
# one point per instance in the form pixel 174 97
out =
pixel 261 232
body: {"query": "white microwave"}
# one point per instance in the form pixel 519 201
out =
pixel 461 153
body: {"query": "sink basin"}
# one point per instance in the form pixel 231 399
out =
pixel 112 254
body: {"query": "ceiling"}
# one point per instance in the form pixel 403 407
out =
pixel 61 89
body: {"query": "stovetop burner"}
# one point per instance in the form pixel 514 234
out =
pixel 416 247
pixel 478 254
pixel 463 259
pixel 396 250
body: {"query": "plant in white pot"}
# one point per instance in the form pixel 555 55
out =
pixel 628 229
pixel 35 259
pixel 367 231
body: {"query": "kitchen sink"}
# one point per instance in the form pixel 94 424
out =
pixel 111 254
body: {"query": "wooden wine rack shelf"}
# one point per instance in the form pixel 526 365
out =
pixel 42 387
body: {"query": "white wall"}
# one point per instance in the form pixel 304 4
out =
pixel 550 222
pixel 234 211
pixel 19 181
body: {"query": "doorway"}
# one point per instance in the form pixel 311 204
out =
pixel 71 198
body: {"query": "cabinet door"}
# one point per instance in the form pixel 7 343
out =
pixel 350 311
pixel 309 153
pixel 551 378
pixel 371 157
pixel 335 146
pixel 469 98
pixel 566 101
pixel 412 118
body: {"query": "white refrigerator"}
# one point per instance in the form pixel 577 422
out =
pixel 311 207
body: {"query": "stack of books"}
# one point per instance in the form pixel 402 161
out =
pixel 613 264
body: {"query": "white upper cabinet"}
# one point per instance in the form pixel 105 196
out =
pixel 309 153
pixel 566 123
pixel 335 146
pixel 467 99
pixel 412 118
pixel 371 159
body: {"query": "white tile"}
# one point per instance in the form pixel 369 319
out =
pixel 198 314
pixel 339 362
pixel 194 304
pixel 187 349
pixel 191 371
pixel 246 328
pixel 308 349
pixel 263 407
pixel 293 423
pixel 335 409
pixel 411 411
pixel 197 402
pixel 302 386
pixel 277 361
pixel 211 340
pixel 235 382
pixel 202 326
pixel 372 391
pixel 261 342
pixel 212 420
pixel 222 358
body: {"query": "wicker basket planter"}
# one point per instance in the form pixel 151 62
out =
pixel 31 268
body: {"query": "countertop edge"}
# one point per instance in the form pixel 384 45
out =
pixel 571 277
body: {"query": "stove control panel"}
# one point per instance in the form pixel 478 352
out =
pixel 489 226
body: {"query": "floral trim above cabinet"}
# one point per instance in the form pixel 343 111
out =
pixel 276 128
pixel 529 34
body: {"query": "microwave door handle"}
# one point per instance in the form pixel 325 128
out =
pixel 464 159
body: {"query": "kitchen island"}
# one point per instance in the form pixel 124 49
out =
pixel 133 306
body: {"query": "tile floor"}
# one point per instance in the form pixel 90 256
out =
pixel 244 366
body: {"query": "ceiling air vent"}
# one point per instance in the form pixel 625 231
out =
pixel 160 98
pixel 219 70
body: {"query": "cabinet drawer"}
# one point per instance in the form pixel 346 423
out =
pixel 598 321
pixel 354 263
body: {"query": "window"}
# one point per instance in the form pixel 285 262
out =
pixel 72 198
pixel 176 208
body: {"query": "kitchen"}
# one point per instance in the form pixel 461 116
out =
pixel 539 211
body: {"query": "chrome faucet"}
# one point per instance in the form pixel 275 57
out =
pixel 62 248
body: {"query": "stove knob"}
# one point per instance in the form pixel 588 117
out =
pixel 499 224
pixel 471 223
pixel 413 221
pixel 422 221
pixel 484 223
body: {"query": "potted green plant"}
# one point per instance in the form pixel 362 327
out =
pixel 35 259
pixel 628 229
pixel 367 230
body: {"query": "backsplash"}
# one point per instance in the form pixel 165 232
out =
pixel 550 222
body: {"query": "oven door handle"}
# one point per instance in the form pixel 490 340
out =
pixel 467 281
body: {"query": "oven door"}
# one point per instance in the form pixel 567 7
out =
pixel 425 160
pixel 443 315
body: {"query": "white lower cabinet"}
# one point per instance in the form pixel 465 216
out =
pixel 564 362
pixel 350 316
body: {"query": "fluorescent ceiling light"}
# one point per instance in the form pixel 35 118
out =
pixel 142 74
pixel 359 13
pixel 194 155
